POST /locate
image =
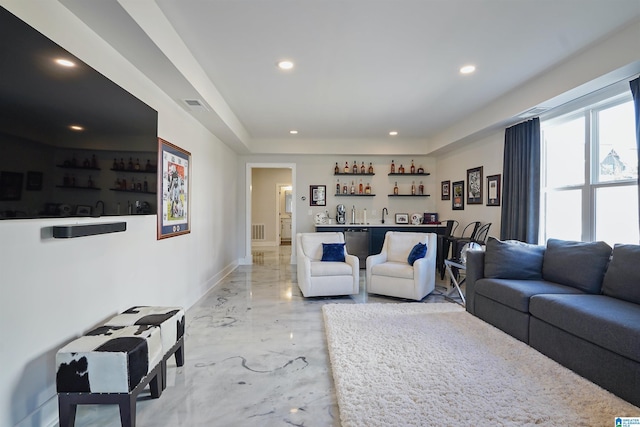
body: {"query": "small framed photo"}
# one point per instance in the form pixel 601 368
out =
pixel 83 210
pixel 317 196
pixel 474 185
pixel 11 185
pixel 402 218
pixel 444 190
pixel 457 201
pixel 493 190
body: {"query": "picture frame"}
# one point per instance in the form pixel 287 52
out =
pixel 457 201
pixel 474 186
pixel 493 190
pixel 34 181
pixel 317 195
pixel 445 187
pixel 83 210
pixel 11 185
pixel 174 190
pixel 402 218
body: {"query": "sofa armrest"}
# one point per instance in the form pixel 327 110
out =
pixel 475 272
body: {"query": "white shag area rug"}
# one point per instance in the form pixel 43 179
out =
pixel 413 364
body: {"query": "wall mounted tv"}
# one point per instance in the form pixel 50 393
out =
pixel 105 165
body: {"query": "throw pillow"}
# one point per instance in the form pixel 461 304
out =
pixel 417 252
pixel 333 252
pixel 578 264
pixel 512 259
pixel 622 279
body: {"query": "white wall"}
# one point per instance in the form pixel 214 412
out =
pixel 486 152
pixel 53 290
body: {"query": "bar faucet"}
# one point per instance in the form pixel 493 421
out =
pixel 383 211
pixel 100 202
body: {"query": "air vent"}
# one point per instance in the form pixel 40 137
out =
pixel 195 105
pixel 535 111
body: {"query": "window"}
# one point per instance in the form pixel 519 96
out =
pixel 589 171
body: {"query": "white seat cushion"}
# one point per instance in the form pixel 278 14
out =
pixel 330 268
pixel 393 269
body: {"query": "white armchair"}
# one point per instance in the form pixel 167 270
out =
pixel 325 278
pixel 389 273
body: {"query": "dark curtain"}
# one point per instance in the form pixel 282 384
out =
pixel 635 91
pixel 521 182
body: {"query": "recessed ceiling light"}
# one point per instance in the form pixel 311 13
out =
pixel 65 62
pixel 393 133
pixel 293 132
pixel 467 69
pixel 77 128
pixel 285 65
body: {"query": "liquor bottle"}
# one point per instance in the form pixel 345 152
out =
pixel 370 168
pixel 344 188
pixel 362 168
pixel 137 165
pixel 66 181
pixel 336 170
pixel 90 182
pixel 360 188
pixel 353 188
pixel 355 167
pixel 123 184
pixel 118 184
pixel 115 164
pixel 421 189
pixel 148 166
pixel 346 167
pixel 401 169
pixel 413 187
pixel 413 168
pixel 146 185
pixel 130 164
pixel 86 163
pixel 420 170
pixel 395 188
pixel 367 189
pixel 121 163
pixel 337 184
pixel 133 184
pixel 393 167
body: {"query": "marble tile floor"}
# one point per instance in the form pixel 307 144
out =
pixel 256 355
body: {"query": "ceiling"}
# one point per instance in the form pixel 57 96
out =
pixel 362 67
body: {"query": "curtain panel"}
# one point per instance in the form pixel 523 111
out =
pixel 520 215
pixel 635 91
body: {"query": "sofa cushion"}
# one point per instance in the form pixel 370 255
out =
pixel 622 279
pixel 512 259
pixel 326 268
pixel 312 243
pixel 607 322
pixel 417 252
pixel 333 252
pixel 578 264
pixel 393 269
pixel 401 243
pixel 516 293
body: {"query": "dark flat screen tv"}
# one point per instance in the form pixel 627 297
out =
pixel 73 142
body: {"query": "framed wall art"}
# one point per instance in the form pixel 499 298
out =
pixel 317 195
pixel 445 190
pixel 83 210
pixel 174 196
pixel 11 185
pixel 493 190
pixel 474 185
pixel 457 201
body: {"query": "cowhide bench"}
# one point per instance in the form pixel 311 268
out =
pixel 170 320
pixel 109 365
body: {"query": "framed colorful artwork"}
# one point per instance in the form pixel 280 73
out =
pixel 174 186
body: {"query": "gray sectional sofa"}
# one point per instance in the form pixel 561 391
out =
pixel 576 302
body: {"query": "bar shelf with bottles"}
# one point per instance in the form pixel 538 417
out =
pixel 416 191
pixel 354 170
pixel 132 166
pixel 354 190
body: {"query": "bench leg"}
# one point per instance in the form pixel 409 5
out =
pixel 66 411
pixel 158 383
pixel 180 354
pixel 127 404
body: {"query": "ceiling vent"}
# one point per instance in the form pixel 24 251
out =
pixel 535 111
pixel 195 105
